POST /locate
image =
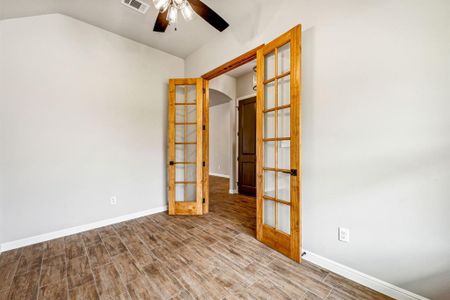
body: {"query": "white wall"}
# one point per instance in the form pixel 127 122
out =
pixel 224 84
pixel 82 118
pixel 375 121
pixel 244 85
pixel 219 139
pixel 223 89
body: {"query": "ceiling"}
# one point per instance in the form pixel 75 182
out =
pixel 242 70
pixel 111 15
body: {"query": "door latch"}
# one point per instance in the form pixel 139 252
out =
pixel 171 162
pixel 293 172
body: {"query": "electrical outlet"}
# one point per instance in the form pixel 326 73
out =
pixel 113 200
pixel 344 234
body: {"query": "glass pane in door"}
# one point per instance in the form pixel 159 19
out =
pixel 185 113
pixel 185 143
pixel 269 213
pixel 269 95
pixel 269 155
pixel 284 123
pixel 284 155
pixel 284 59
pixel 185 153
pixel 277 145
pixel 185 173
pixel 284 90
pixel 284 186
pixel 185 192
pixel 185 94
pixel 284 218
pixel 269 66
pixel 269 124
pixel 269 183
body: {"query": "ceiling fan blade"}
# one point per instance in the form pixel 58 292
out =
pixel 161 22
pixel 209 15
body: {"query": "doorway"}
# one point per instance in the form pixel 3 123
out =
pixel 232 129
pixel 278 138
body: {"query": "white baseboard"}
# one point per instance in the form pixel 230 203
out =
pixel 361 278
pixel 231 191
pixel 77 229
pixel 219 175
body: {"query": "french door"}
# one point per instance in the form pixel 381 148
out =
pixel 278 144
pixel 185 141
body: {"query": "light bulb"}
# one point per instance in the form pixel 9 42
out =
pixel 187 11
pixel 161 5
pixel 172 15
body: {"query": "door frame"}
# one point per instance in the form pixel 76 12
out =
pixel 232 64
pixel 216 72
pixel 224 68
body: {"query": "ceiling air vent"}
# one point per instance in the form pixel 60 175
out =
pixel 136 5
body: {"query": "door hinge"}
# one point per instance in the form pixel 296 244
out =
pixel 294 172
pixel 204 91
pixel 237 158
pixel 204 127
pixel 171 162
pixel 204 200
pixel 204 164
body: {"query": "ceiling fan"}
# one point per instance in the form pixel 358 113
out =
pixel 168 13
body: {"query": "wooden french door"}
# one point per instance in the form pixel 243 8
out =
pixel 278 144
pixel 185 139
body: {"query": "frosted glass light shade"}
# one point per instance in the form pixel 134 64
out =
pixel 161 5
pixel 187 11
pixel 172 15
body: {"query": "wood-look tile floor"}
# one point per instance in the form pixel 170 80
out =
pixel 159 257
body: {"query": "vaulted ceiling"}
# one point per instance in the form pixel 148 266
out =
pixel 111 15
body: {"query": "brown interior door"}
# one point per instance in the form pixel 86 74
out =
pixel 185 142
pixel 278 144
pixel 247 147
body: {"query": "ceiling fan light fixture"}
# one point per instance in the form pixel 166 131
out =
pixel 161 5
pixel 187 11
pixel 172 15
pixel 168 14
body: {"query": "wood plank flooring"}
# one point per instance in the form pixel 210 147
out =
pixel 159 257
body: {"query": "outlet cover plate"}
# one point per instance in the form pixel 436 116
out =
pixel 343 234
